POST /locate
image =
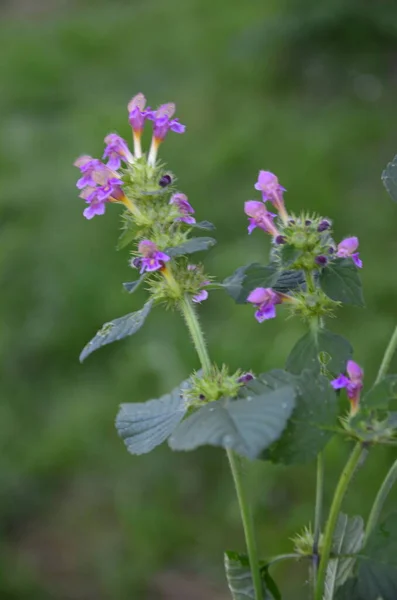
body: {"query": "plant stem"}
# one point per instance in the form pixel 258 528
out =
pixel 193 325
pixel 196 333
pixel 318 514
pixel 383 492
pixel 387 357
pixel 340 492
pixel 246 518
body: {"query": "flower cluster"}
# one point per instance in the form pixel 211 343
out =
pixel 301 243
pixel 157 216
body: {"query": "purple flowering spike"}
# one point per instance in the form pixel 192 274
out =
pixel 162 123
pixel 245 378
pixel 260 217
pixel 116 151
pixel 353 384
pixel 265 299
pixel 347 249
pixel 152 259
pixel 271 190
pixel 185 208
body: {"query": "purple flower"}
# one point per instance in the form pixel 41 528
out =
pixel 265 299
pixel 271 190
pixel 96 205
pixel 245 378
pixel 323 226
pixel 184 207
pixel 152 259
pixel 353 384
pixel 203 294
pixel 347 249
pixel 137 114
pixel 88 167
pixel 260 217
pixel 321 260
pixel 162 121
pixel 116 150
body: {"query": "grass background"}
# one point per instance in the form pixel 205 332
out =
pixel 305 89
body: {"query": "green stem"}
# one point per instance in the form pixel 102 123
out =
pixel 246 518
pixel 318 514
pixel 384 490
pixel 387 357
pixel 193 325
pixel 340 492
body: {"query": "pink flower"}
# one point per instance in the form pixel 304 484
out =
pixel 347 249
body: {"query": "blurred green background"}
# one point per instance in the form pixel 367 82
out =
pixel 305 89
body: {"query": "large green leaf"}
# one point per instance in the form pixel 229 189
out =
pixel 333 350
pixel 389 179
pixel 247 426
pixel 239 579
pixel 341 282
pixel 117 330
pixel 348 540
pixel 381 393
pixel 145 425
pixel 193 245
pixel 310 426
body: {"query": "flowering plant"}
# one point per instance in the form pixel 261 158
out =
pixel 284 416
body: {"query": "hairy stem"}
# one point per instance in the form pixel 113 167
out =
pixel 246 517
pixel 340 492
pixel 318 515
pixel 194 327
pixel 383 492
pixel 387 357
pixel 196 333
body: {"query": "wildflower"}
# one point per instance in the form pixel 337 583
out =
pixel 202 294
pixel 96 205
pixel 116 150
pixel 347 248
pixel 245 378
pixel 185 208
pixel 88 166
pixel 353 384
pixel 271 190
pixel 265 299
pixel 260 217
pixel 137 116
pixel 152 259
pixel 162 123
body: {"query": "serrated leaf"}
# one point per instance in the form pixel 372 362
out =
pixel 247 426
pixel 207 225
pixel 131 286
pixel 193 245
pixel 341 282
pixel 389 178
pixel 239 578
pixel 329 347
pixel 117 330
pixel 348 539
pixel 289 254
pixel 381 393
pixel 145 425
pixel 310 426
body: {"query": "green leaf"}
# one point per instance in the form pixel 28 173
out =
pixel 207 225
pixel 381 393
pixel 348 539
pixel 193 245
pixel 310 426
pixel 333 350
pixel 341 282
pixel 247 278
pixel 117 330
pixel 145 425
pixel 289 254
pixel 239 578
pixel 389 179
pixel 131 286
pixel 247 426
pixel 127 236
